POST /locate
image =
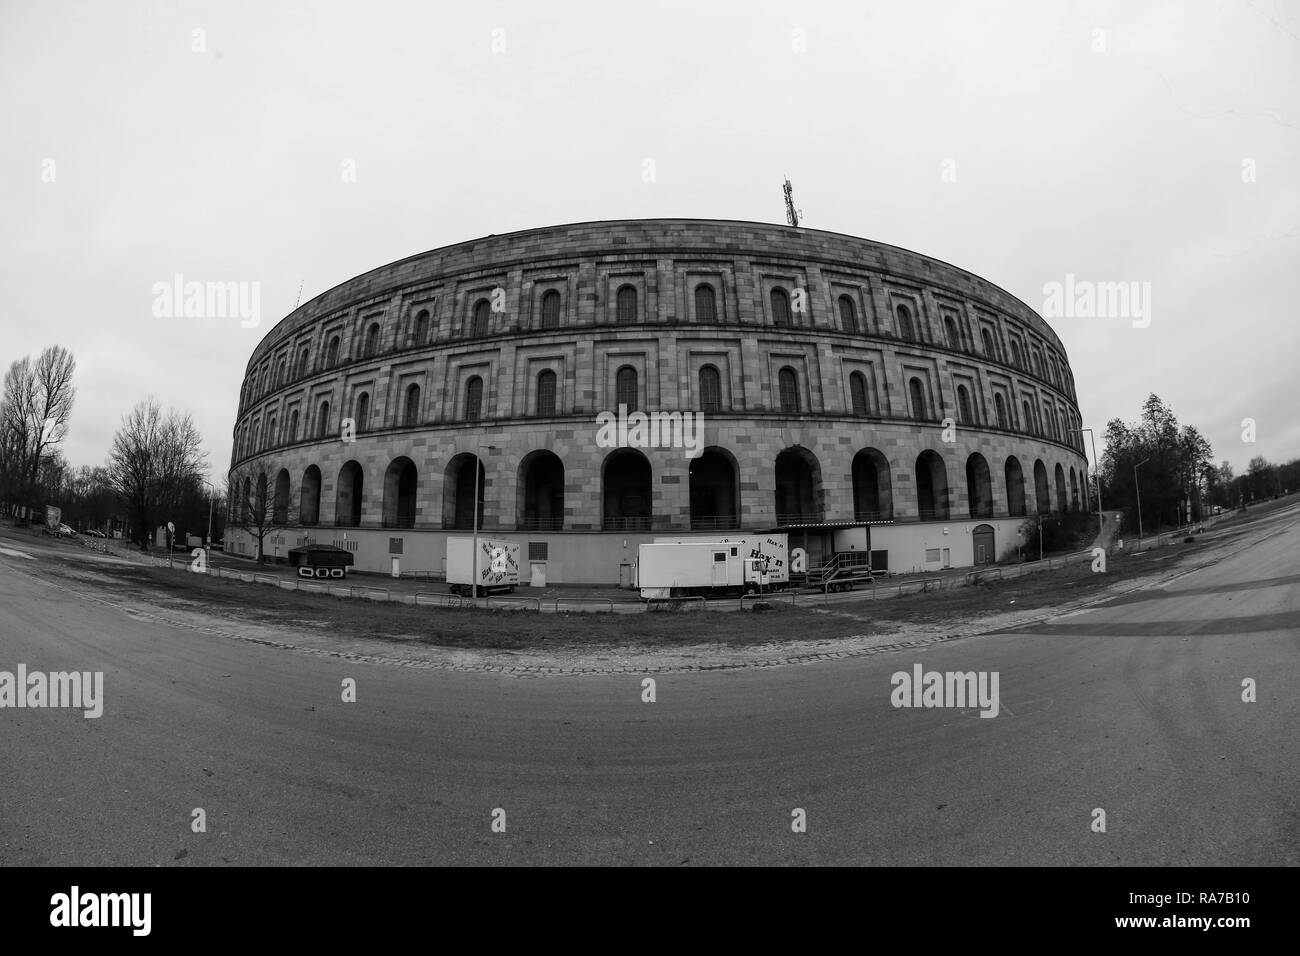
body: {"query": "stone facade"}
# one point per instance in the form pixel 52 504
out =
pixel 411 346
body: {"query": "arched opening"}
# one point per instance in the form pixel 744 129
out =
pixel 347 502
pixel 917 394
pixel 931 487
pixel 858 393
pixel 309 497
pixel 551 309
pixel 372 339
pixel 848 314
pixel 873 497
pixel 362 413
pixel 989 351
pixel 625 388
pixel 473 399
pixel 979 487
pixel 411 415
pixel 323 420
pixel 715 503
pixel 540 502
pixel 400 483
pixel 293 426
pixel 982 538
pixel 625 304
pixel 799 497
pixel 1060 488
pixel 1015 478
pixel 780 308
pixel 706 307
pixel 788 387
pixel 280 511
pixel 482 318
pixel 1042 494
pixel 421 328
pixel 1000 407
pixel 1074 489
pixel 905 327
pixel 332 354
pixel 546 393
pixel 458 492
pixel 950 333
pixel 710 389
pixel 626 491
pixel 963 406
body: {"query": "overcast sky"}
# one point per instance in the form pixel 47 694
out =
pixel 1117 142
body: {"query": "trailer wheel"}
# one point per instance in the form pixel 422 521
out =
pixel 751 588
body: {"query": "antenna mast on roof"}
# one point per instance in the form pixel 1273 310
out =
pixel 300 282
pixel 791 214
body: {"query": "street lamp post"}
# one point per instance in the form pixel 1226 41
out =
pixel 478 463
pixel 212 494
pixel 1138 492
pixel 1101 521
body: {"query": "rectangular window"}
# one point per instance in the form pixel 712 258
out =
pixel 538 550
pixel 394 545
pixel 931 554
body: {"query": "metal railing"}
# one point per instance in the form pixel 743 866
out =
pixel 676 603
pixel 581 601
pixel 626 523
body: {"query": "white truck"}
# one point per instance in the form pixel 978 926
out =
pixel 772 549
pixel 671 569
pixel 498 566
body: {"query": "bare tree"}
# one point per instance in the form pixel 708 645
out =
pixel 34 413
pixel 152 460
pixel 255 507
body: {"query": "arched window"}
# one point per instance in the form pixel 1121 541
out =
pixel 269 438
pixel 546 393
pixel 281 371
pixel 905 328
pixel 1016 358
pixel 362 413
pixel 788 383
pixel 1001 408
pixel 963 405
pixel 473 399
pixel 411 416
pixel 303 358
pixel 706 309
pixel 323 420
pixel 780 308
pixel 848 314
pixel 917 394
pixel 950 333
pixel 989 351
pixel 710 389
pixel 858 393
pixel 372 339
pixel 551 310
pixel 332 356
pixel 1029 417
pixel 625 390
pixel 421 327
pixel 626 305
pixel 293 426
pixel 482 318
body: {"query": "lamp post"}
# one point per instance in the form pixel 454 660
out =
pixel 1138 492
pixel 478 463
pixel 212 494
pixel 1092 438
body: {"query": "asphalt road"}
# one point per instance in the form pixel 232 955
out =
pixel 1134 708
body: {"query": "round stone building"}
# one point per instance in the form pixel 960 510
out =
pixel 615 382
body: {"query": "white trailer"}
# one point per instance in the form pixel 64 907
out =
pixel 698 568
pixel 772 549
pixel 498 565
